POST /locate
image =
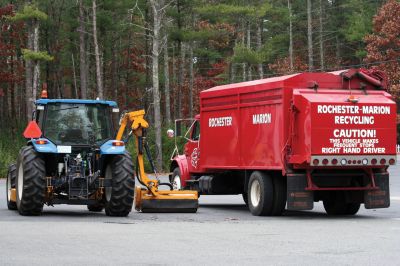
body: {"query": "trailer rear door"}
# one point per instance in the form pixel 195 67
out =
pixel 343 127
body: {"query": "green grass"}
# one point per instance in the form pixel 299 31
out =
pixel 11 140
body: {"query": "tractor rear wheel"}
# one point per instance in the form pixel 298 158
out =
pixel 119 197
pixel 30 182
pixel 11 176
pixel 260 194
pixel 337 205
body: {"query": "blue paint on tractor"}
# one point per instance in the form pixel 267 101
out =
pixel 49 147
pixel 108 148
pixel 76 101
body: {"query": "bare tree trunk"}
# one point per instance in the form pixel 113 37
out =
pixel 82 52
pixel 337 51
pixel 181 79
pixel 290 36
pixel 174 85
pixel 74 76
pixel 36 70
pixel 99 79
pixel 321 43
pixel 309 34
pixel 243 64
pixel 114 66
pixel 232 69
pixel 191 77
pixel 166 83
pixel 259 45
pixel 248 33
pixel 156 90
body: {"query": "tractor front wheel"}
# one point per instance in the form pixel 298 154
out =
pixel 30 182
pixel 119 197
pixel 11 176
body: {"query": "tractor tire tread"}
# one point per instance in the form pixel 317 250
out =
pixel 34 184
pixel 123 185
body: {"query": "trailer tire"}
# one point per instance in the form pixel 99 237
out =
pixel 338 206
pixel 279 195
pixel 11 176
pixel 119 197
pixel 176 180
pixel 95 207
pixel 245 197
pixel 261 194
pixel 30 182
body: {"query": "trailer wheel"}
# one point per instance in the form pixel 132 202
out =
pixel 176 179
pixel 11 176
pixel 338 206
pixel 279 195
pixel 261 192
pixel 119 197
pixel 30 182
pixel 245 198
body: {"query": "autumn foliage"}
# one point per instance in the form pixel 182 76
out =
pixel 383 45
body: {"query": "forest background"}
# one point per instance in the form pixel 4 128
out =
pixel 159 54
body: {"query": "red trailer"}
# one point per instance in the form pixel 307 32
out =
pixel 298 139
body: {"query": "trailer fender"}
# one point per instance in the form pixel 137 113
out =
pixel 181 162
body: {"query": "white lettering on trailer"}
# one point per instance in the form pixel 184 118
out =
pixel 338 109
pixel 353 109
pixel 262 118
pixel 225 121
pixel 354 133
pixel 356 120
pixel 376 110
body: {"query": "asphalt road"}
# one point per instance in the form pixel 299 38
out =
pixel 221 232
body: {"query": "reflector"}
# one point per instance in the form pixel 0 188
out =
pixel 32 131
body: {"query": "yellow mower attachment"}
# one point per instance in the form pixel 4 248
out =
pixel 149 198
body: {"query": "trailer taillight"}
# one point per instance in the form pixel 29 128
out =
pixel 334 162
pixel 325 161
pixel 392 161
pixel 315 161
pixel 41 141
pixel 383 161
pixel 374 161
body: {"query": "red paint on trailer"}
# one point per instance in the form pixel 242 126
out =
pixel 284 123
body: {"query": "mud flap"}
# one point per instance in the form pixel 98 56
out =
pixel 297 197
pixel 374 199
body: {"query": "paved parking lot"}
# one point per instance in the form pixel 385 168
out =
pixel 221 232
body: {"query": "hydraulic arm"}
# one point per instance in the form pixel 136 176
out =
pixel 148 197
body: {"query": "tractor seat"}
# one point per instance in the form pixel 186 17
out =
pixel 73 134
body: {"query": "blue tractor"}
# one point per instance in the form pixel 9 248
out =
pixel 72 157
